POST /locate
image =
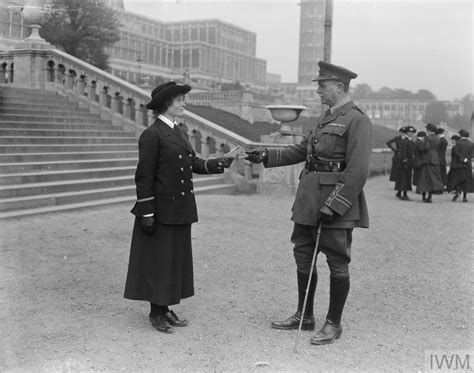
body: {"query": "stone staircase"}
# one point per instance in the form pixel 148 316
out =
pixel 57 156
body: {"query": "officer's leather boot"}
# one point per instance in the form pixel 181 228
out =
pixel 293 321
pixel 328 334
pixel 332 329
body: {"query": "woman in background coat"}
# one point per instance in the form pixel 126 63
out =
pixel 430 175
pixel 460 172
pixel 160 269
pixel 402 162
pixel 442 155
pixel 419 155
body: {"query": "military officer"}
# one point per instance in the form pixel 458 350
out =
pixel 336 153
pixel 160 269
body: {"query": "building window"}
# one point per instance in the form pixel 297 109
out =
pixel 194 34
pixel 203 34
pixel 186 58
pixel 185 34
pixel 195 58
pixel 177 35
pixel 212 35
pixel 177 59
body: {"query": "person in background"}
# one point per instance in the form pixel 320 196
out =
pixel 460 173
pixel 402 162
pixel 419 156
pixel 430 180
pixel 442 155
pixel 160 269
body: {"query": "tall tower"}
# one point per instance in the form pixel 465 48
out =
pixel 315 37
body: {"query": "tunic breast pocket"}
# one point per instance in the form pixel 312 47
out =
pixel 331 140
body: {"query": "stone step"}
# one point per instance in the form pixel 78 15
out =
pixel 51 119
pixel 63 175
pixel 21 140
pixel 67 156
pixel 62 148
pixel 34 100
pixel 94 199
pixel 25 91
pixel 8 168
pixel 62 133
pixel 18 190
pixel 53 113
pixel 18 193
pixel 70 106
pixel 59 126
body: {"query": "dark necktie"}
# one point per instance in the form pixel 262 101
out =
pixel 177 130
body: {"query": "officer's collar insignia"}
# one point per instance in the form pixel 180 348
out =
pixel 337 124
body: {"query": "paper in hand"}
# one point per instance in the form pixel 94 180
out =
pixel 235 151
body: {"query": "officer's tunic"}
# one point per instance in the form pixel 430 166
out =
pixel 160 267
pixel 344 135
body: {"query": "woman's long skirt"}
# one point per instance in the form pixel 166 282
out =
pixel 430 179
pixel 460 180
pixel 160 269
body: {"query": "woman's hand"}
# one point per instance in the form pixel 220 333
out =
pixel 225 161
pixel 148 224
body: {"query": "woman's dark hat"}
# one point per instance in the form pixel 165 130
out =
pixel 455 137
pixel 421 134
pixel 431 127
pixel 411 129
pixel 328 71
pixel 439 130
pixel 463 133
pixel 402 129
pixel 165 92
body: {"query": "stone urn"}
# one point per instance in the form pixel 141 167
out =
pixel 285 114
pixel 34 15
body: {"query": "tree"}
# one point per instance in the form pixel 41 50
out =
pixel 424 94
pixel 83 28
pixel 435 112
pixel 362 91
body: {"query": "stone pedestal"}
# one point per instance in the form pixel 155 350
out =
pixel 280 179
pixel 31 63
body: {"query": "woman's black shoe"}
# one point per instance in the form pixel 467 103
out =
pixel 173 319
pixel 456 196
pixel 161 324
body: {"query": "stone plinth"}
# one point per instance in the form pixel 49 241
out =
pixel 280 179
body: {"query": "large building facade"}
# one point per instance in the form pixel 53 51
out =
pixel 205 53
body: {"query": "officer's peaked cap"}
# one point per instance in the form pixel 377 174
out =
pixel 328 71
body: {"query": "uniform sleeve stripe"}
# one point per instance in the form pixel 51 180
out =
pixel 146 199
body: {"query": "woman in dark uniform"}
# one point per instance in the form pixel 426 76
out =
pixel 402 162
pixel 160 269
pixel 460 172
pixel 430 175
pixel 419 155
pixel 442 155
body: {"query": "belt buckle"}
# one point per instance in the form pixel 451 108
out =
pixel 335 166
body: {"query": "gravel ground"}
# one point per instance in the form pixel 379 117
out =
pixel 62 278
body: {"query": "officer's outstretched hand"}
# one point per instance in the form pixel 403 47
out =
pixel 225 161
pixel 327 215
pixel 148 224
pixel 258 155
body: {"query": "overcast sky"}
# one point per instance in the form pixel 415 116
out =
pixel 407 44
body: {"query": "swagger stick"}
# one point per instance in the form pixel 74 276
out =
pixel 318 235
